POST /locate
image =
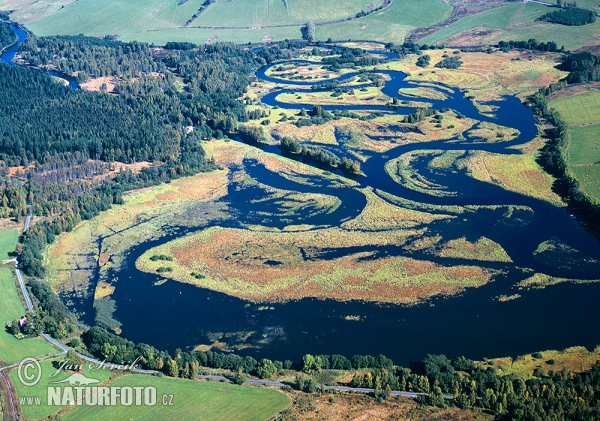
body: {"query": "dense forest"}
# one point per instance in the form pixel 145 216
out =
pixel 571 16
pixel 41 118
pixel 582 67
pixel 90 57
pixel 7 35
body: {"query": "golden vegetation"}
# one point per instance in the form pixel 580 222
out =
pixel 575 359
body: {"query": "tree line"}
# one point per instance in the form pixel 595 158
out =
pixel 572 16
pixel 555 395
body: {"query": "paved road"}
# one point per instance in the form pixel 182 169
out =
pixel 337 388
pixel 27 221
pixel 541 2
pixel 23 289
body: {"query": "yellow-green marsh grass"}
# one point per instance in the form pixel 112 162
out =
pixel 483 249
pixel 486 76
pixel 519 173
pixel 576 359
pixel 73 258
pixel 380 215
pixel 541 280
pixel 427 93
pixel 491 133
pixel 371 96
pixel 269 266
pixel 401 171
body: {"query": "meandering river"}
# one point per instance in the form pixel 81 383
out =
pixel 475 324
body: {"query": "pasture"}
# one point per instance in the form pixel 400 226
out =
pixel 498 18
pixel 582 112
pixel 8 242
pixel 582 108
pixel 241 21
pixel 11 349
pixel 49 374
pixel 514 21
pixel 192 400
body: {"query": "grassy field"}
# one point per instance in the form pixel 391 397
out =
pixel 8 242
pixel 391 24
pixel 498 18
pixel 518 173
pixel 12 349
pixel 159 22
pixel 515 22
pixel 582 113
pixel 192 400
pixel 40 389
pixel 582 108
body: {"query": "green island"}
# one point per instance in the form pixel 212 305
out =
pixel 293 209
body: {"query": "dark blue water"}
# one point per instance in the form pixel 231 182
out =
pixel 9 54
pixel 474 324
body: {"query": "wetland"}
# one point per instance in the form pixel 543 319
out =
pixel 276 257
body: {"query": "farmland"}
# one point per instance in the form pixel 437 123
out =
pixel 514 22
pixel 246 20
pixel 191 400
pixel 49 374
pixel 581 112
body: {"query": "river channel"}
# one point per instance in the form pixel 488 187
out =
pixel 473 323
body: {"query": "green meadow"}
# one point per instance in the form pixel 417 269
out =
pixel 582 113
pixel 11 349
pixel 578 109
pixel 516 21
pixel 8 242
pixel 158 21
pixel 191 400
pixel 49 375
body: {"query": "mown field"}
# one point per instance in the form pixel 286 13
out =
pixel 581 108
pixel 582 113
pixel 12 349
pixel 158 21
pixel 192 400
